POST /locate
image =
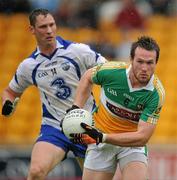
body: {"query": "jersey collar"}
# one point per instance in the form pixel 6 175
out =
pixel 58 46
pixel 149 86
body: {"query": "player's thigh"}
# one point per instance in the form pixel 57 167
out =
pixel 117 175
pixel 89 174
pixel 134 166
pixel 46 155
pixel 101 158
pixel 135 171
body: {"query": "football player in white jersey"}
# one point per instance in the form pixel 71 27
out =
pixel 55 68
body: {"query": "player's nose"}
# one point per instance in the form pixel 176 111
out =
pixel 49 29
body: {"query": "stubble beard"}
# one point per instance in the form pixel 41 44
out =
pixel 141 82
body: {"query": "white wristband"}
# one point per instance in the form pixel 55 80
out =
pixel 104 138
pixel 15 102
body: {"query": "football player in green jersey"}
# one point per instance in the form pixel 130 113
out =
pixel 130 102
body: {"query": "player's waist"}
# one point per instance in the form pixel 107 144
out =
pixel 51 122
pixel 110 124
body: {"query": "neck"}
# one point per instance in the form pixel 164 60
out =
pixel 133 81
pixel 47 49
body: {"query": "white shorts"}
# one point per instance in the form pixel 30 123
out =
pixel 106 157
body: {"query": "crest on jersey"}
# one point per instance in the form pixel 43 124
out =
pixel 65 66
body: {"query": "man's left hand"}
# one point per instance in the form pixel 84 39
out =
pixel 90 131
pixel 81 138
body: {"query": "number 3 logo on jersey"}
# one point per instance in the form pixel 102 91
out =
pixel 63 91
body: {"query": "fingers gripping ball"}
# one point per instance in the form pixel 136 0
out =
pixel 73 119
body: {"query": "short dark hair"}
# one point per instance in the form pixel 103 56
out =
pixel 147 43
pixel 35 13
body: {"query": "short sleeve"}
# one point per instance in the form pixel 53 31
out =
pixel 87 56
pixel 21 79
pixel 96 75
pixel 151 113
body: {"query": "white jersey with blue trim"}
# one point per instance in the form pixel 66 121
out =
pixel 57 77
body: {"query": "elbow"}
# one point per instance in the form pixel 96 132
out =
pixel 143 140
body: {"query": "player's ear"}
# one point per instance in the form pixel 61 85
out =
pixel 31 29
pixel 131 60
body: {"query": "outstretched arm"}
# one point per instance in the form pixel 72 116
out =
pixel 9 94
pixel 137 138
pixel 128 139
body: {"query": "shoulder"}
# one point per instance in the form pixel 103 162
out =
pixel 63 42
pixel 104 72
pixel 111 65
pixel 80 47
pixel 29 62
pixel 73 46
pixel 159 89
pixel 67 44
pixel 24 67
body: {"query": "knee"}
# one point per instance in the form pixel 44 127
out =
pixel 37 173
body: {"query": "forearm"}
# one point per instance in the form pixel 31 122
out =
pixel 134 139
pixel 130 139
pixel 8 95
pixel 127 139
pixel 83 90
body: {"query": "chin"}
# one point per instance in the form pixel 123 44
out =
pixel 144 81
pixel 50 42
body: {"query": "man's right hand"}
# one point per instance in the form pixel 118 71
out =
pixel 67 111
pixel 9 107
